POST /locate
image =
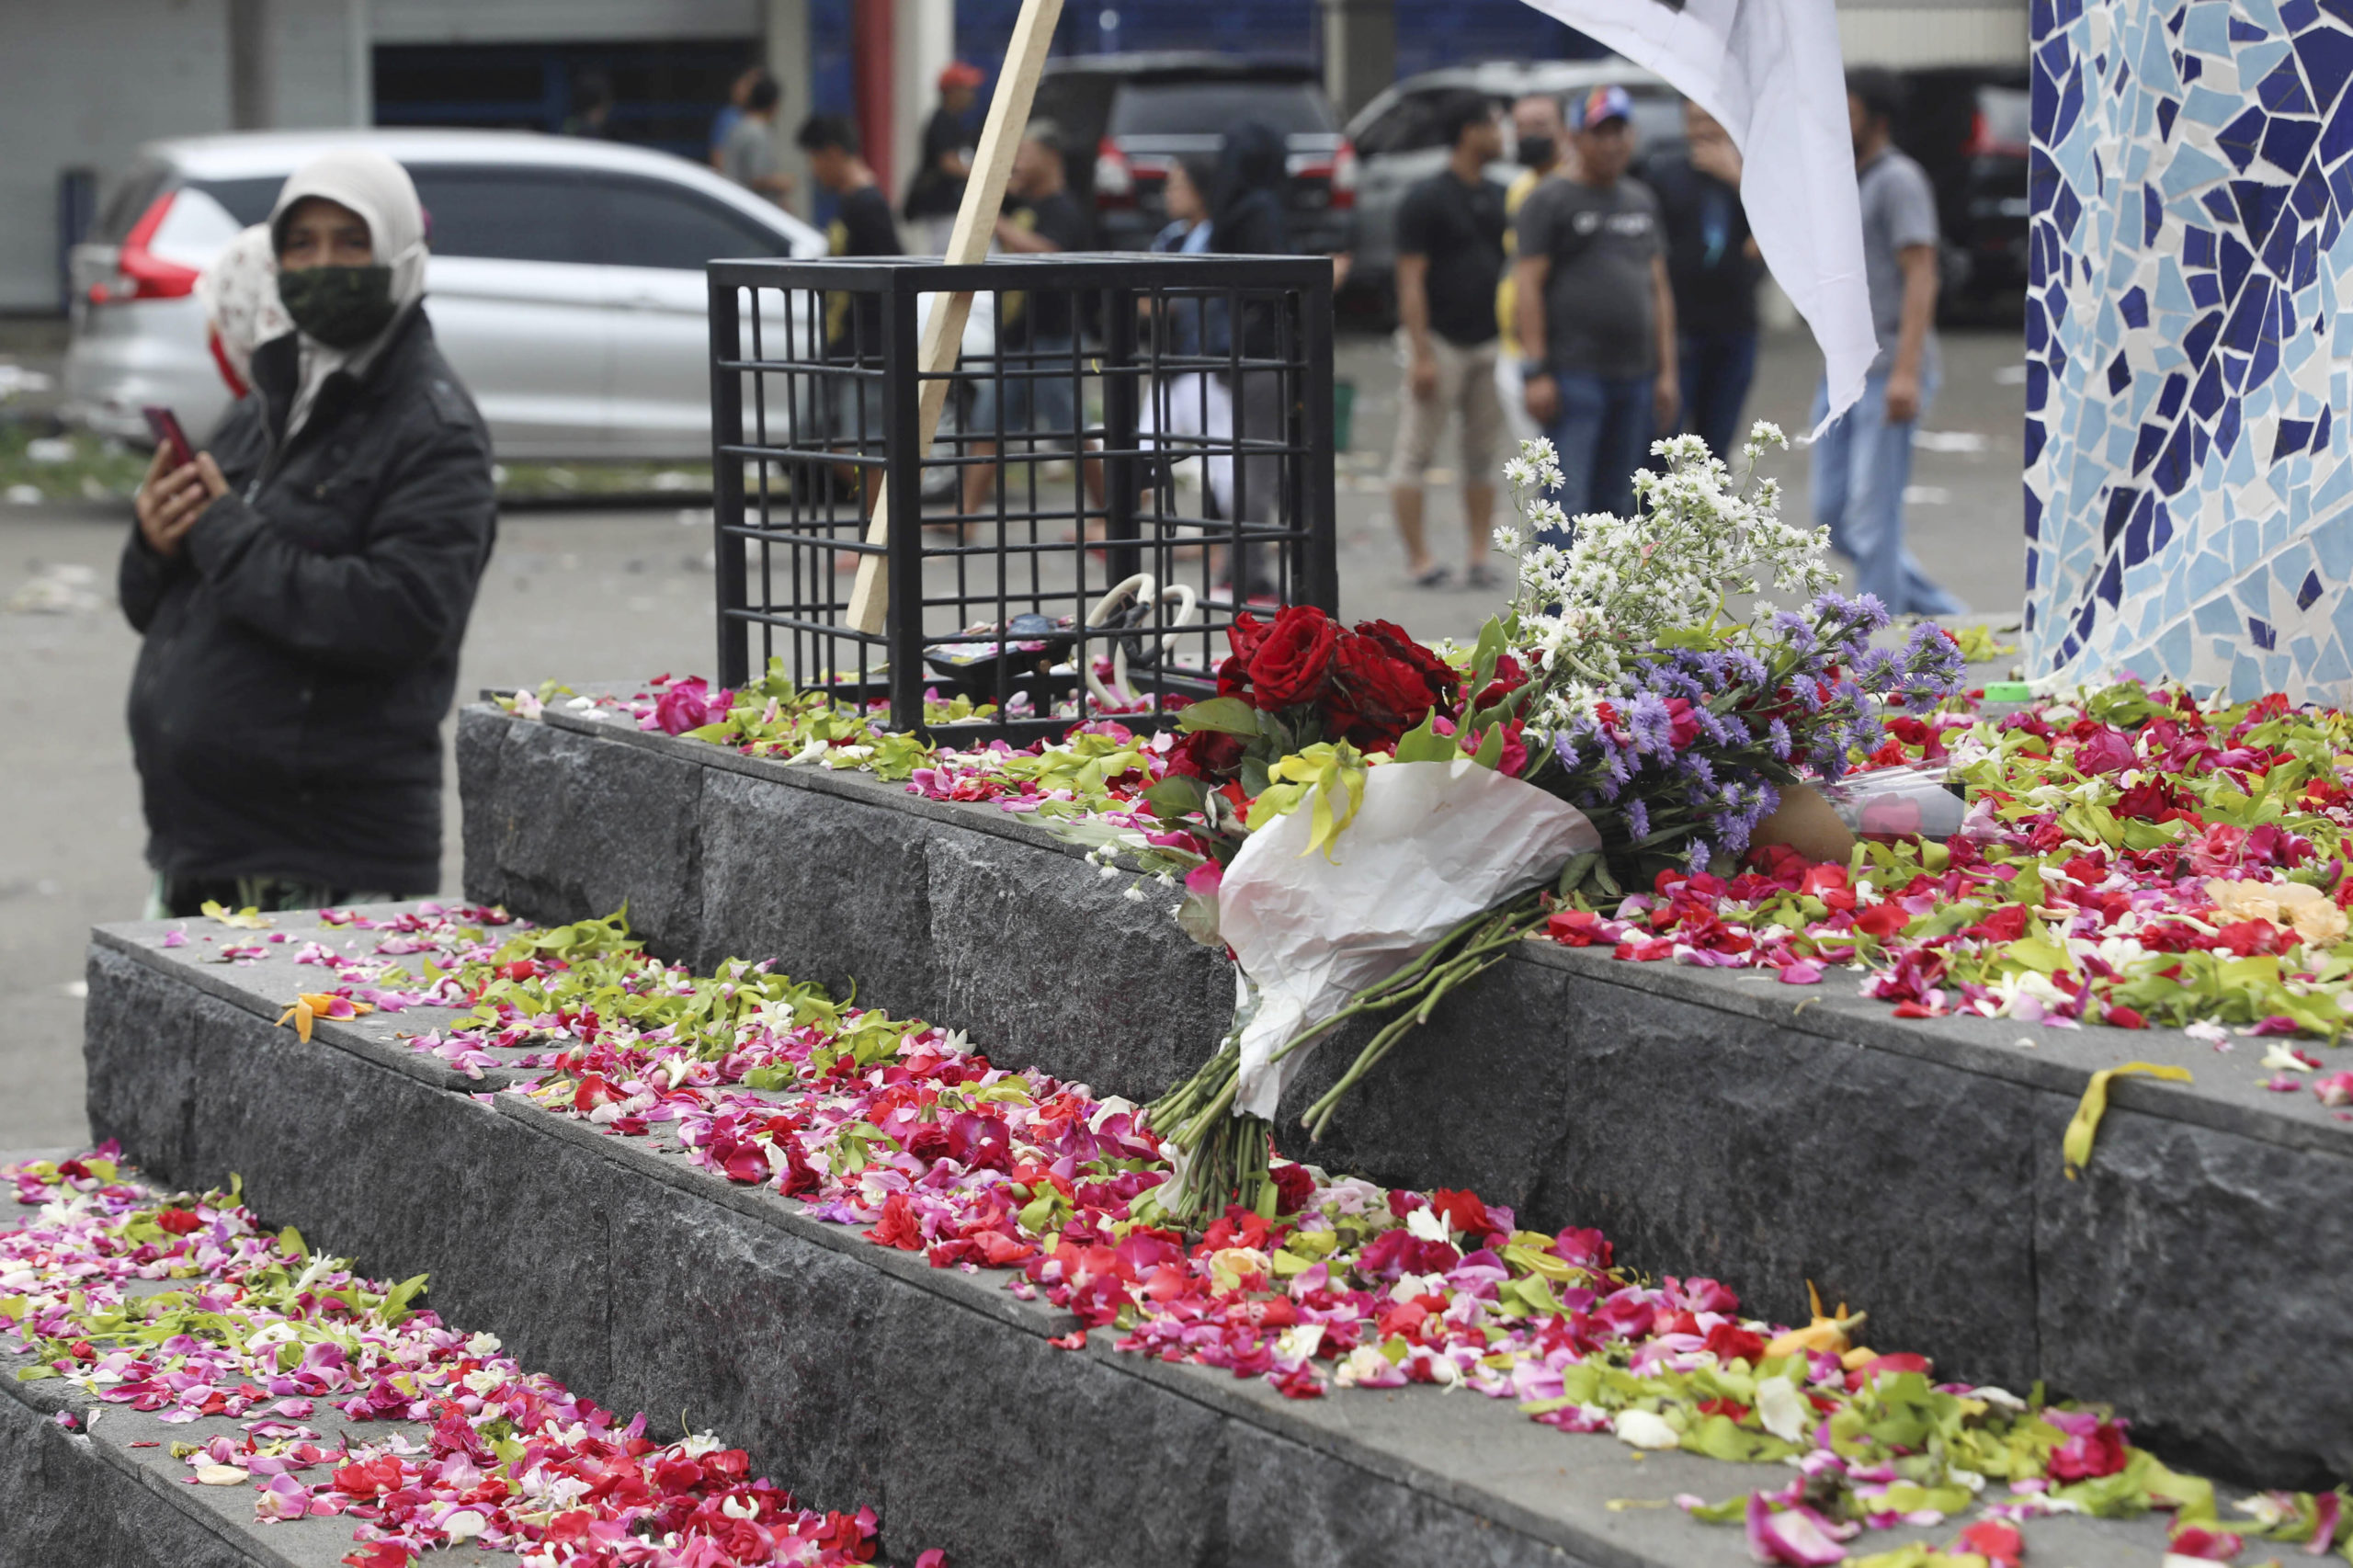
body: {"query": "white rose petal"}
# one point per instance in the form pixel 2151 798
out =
pixel 1424 1225
pixel 1781 1409
pixel 1644 1429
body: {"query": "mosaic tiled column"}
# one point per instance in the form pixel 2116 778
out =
pixel 2189 504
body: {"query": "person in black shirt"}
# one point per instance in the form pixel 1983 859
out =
pixel 937 188
pixel 1449 255
pixel 1714 267
pixel 862 226
pixel 1035 333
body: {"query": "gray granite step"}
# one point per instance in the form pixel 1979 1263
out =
pixel 1712 1122
pixel 853 1373
pixel 106 1492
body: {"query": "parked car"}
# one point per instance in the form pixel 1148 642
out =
pixel 1396 139
pixel 1967 125
pixel 1141 113
pixel 565 282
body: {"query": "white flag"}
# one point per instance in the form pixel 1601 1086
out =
pixel 1771 71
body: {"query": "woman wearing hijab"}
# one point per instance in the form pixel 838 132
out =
pixel 238 289
pixel 1246 219
pixel 302 587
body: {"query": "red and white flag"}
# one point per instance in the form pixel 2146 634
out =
pixel 1771 71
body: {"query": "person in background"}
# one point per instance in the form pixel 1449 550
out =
pixel 1034 334
pixel 1450 254
pixel 238 289
pixel 862 226
pixel 1246 218
pixel 1861 464
pixel 731 111
pixel 937 188
pixel 301 588
pixel 1715 264
pixel 1596 315
pixel 592 107
pixel 749 156
pixel 1189 404
pixel 1543 152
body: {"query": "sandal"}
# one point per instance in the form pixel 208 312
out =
pixel 1439 577
pixel 1484 578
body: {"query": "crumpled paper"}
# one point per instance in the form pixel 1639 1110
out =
pixel 1433 845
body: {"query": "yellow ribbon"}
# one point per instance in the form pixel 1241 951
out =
pixel 2076 1147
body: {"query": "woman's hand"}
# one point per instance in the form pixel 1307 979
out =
pixel 171 499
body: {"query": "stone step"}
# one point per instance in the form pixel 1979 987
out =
pixel 105 1491
pixel 1712 1122
pixel 851 1371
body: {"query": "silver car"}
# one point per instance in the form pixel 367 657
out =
pixel 565 282
pixel 1396 136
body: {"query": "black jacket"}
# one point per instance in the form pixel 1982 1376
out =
pixel 301 648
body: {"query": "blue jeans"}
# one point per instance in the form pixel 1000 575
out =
pixel 1717 368
pixel 1861 467
pixel 1037 394
pixel 1602 436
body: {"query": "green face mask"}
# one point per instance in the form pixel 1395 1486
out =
pixel 343 307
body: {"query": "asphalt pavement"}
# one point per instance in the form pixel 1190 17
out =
pixel 626 594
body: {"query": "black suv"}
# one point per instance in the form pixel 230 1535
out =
pixel 1140 112
pixel 1967 127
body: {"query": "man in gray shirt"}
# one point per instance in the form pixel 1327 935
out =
pixel 1596 315
pixel 1862 463
pixel 749 156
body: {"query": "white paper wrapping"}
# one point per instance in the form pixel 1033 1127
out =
pixel 1434 844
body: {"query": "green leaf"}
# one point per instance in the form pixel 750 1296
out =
pixel 1491 747
pixel 1175 795
pixel 397 1298
pixel 2039 952
pixel 1227 715
pixel 1574 874
pixel 1038 1215
pixel 1719 1437
pixel 1424 744
pixel 1731 1511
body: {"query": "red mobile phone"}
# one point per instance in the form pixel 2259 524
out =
pixel 166 428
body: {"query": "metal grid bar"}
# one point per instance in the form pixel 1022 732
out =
pixel 1112 420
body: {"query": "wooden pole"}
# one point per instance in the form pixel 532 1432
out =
pixel 968 246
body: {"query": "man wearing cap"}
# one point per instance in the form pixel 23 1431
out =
pixel 1596 312
pixel 937 188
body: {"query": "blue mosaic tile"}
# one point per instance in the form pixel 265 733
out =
pixel 2326 56
pixel 2189 514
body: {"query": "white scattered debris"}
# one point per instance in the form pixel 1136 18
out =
pixel 63 588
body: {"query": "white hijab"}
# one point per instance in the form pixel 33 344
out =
pixel 239 291
pixel 379 190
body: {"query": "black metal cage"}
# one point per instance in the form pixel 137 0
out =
pixel 1132 449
